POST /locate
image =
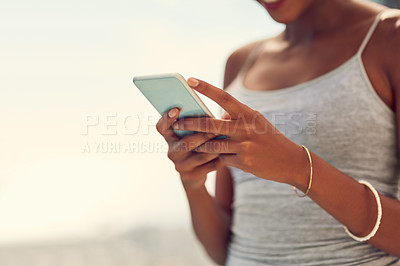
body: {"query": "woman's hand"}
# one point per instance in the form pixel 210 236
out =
pixel 253 144
pixel 193 166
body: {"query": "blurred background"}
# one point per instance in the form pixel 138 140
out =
pixel 84 177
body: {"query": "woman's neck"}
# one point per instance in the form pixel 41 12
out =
pixel 320 17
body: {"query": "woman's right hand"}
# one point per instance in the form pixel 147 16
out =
pixel 192 166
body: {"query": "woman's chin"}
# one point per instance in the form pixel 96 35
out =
pixel 285 18
pixel 285 11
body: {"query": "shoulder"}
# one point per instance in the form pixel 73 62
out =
pixel 390 20
pixel 388 32
pixel 236 60
pixel 389 49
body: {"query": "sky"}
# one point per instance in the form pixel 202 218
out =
pixel 79 154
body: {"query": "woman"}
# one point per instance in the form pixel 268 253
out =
pixel 329 82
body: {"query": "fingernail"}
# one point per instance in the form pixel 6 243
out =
pixel 193 82
pixel 173 112
pixel 176 126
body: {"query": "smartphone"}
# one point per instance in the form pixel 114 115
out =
pixel 166 91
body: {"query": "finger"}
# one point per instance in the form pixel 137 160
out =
pixel 164 124
pixel 194 160
pixel 231 160
pixel 192 141
pixel 207 124
pixel 209 166
pixel 224 99
pixel 182 148
pixel 219 146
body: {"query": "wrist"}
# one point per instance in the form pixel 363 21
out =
pixel 300 177
pixel 192 187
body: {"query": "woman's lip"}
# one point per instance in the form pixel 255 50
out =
pixel 274 5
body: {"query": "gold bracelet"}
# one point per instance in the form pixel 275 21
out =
pixel 311 174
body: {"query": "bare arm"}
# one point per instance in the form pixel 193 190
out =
pixel 211 217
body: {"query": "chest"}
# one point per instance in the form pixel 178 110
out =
pixel 276 70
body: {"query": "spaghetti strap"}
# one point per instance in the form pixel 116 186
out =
pixel 369 34
pixel 253 55
pixel 251 58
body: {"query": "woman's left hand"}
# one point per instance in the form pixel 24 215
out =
pixel 253 144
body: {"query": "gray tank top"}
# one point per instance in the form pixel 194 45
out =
pixel 340 117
